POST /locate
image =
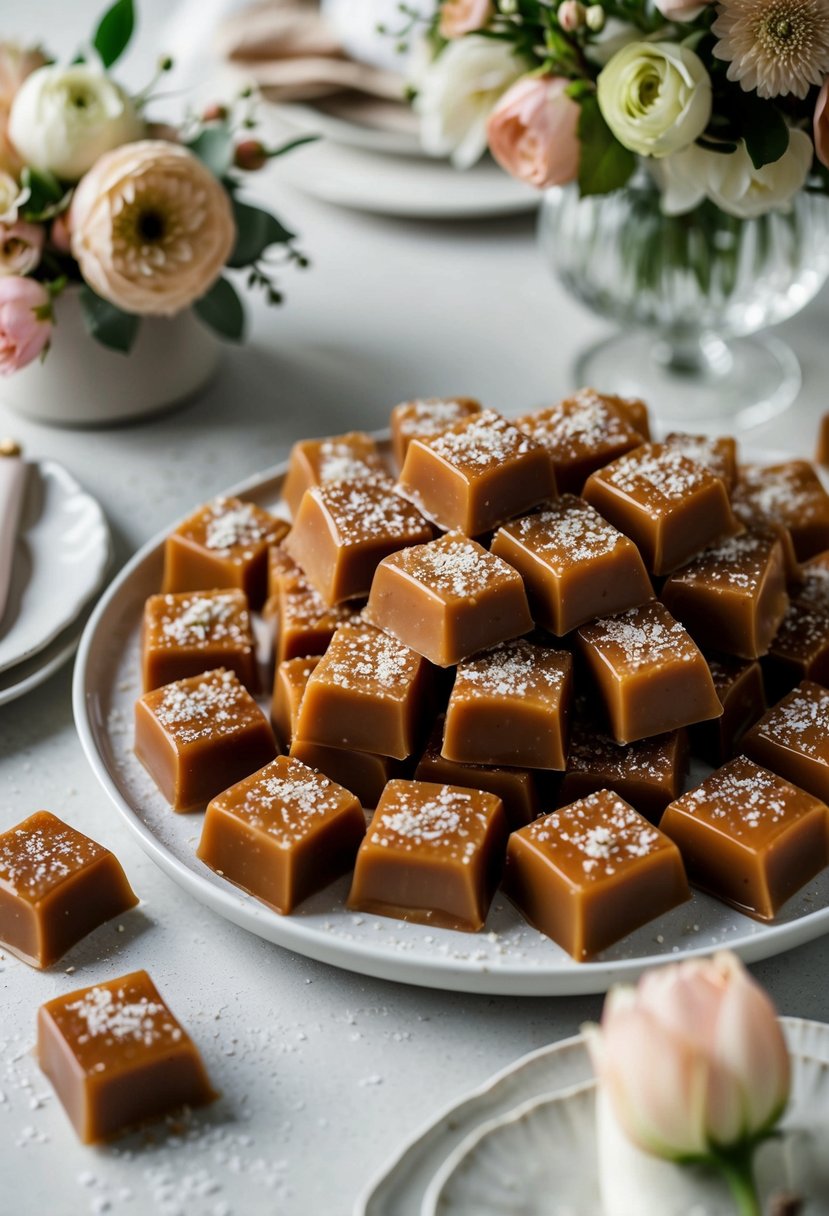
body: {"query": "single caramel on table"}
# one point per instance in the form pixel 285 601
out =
pixel 749 837
pixel 790 495
pixel 648 774
pixel 448 598
pixel 739 687
pixel 118 1057
pixel 195 631
pixel 792 739
pixel 421 419
pixel 314 462
pixel 56 885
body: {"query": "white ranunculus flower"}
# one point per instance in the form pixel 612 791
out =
pixel 459 91
pixel 655 97
pixel 63 119
pixel 12 198
pixel 730 180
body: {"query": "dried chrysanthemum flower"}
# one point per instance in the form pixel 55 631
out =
pixel 774 46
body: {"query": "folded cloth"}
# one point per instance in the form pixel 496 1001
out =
pixel 12 485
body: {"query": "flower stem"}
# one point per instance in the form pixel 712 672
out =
pixel 737 1166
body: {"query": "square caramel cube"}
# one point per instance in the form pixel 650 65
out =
pixel 118 1057
pixel 368 692
pixel 195 631
pixel 302 621
pixel 225 544
pixel 789 494
pixel 648 773
pixel 344 529
pixel 477 474
pixel 792 739
pixel 198 736
pixel 511 706
pixel 582 433
pixel 592 872
pixel 448 598
pixel 432 854
pixel 719 454
pixel 740 691
pixel 289 682
pixel 749 837
pixel 315 462
pixel 421 419
pixel 282 833
pixel 732 597
pixel 576 566
pixel 651 676
pixel 799 649
pixel 672 507
pixel 56 886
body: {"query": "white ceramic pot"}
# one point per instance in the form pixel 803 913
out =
pixel 355 23
pixel 84 384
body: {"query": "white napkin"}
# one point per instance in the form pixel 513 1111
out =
pixel 12 485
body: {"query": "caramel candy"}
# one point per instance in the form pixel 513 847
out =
pixel 280 566
pixel 516 787
pixel 316 462
pixel 225 544
pixel 432 854
pixel 56 885
pixel 650 674
pixel 198 736
pixel 581 433
pixel 448 599
pixel 733 596
pixel 648 774
pixel 118 1057
pixel 344 529
pixel 592 872
pixel 719 455
pixel 789 494
pixel 423 419
pixel 800 649
pixel 792 739
pixel 195 631
pixel 477 474
pixel 368 692
pixel 289 683
pixel 575 565
pixel 511 706
pixel 749 837
pixel 739 686
pixel 282 833
pixel 636 412
pixel 303 623
pixel 822 451
pixel 669 505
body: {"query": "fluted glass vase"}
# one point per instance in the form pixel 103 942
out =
pixel 690 292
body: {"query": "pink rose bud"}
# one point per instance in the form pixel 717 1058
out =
pixel 681 10
pixel 533 132
pixel 821 125
pixel 571 15
pixel 250 155
pixel 25 323
pixel 60 236
pixel 459 17
pixel 693 1058
pixel 215 112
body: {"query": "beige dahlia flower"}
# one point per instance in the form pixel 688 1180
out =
pixel 151 228
pixel 774 46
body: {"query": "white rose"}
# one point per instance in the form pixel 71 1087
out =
pixel 655 97
pixel 459 91
pixel 730 180
pixel 12 198
pixel 63 119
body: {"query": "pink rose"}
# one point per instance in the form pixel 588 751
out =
pixel 533 132
pixel 681 10
pixel 21 246
pixel 821 125
pixel 25 322
pixel 459 17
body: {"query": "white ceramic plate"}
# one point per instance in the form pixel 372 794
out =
pixel 61 559
pixel 389 128
pixel 16 681
pixel 508 958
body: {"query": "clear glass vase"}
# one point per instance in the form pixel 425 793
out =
pixel 690 291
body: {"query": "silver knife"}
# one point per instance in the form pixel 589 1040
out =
pixel 13 471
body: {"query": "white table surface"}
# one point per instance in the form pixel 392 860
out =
pixel 323 1073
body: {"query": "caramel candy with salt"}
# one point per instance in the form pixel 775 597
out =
pixel 315 462
pixel 368 692
pixel 289 682
pixel 749 837
pixel 592 872
pixel 582 433
pixel 303 623
pixel 432 854
pixel 732 597
pixel 195 631
pixel 669 505
pixel 225 544
pixel 282 833
pixel 56 886
pixel 576 566
pixel 477 474
pixel 344 529
pixel 424 418
pixel 511 706
pixel 739 686
pixel 792 739
pixel 719 455
pixel 800 649
pixel 648 774
pixel 448 599
pixel 636 412
pixel 198 736
pixel 651 676
pixel 822 450
pixel 118 1057
pixel 789 494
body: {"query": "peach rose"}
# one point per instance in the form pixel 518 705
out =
pixel 21 246
pixel 16 63
pixel 821 125
pixel 25 322
pixel 151 228
pixel 459 17
pixel 533 132
pixel 681 10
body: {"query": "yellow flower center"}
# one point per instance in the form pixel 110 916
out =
pixel 786 28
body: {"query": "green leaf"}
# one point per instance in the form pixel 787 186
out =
pixel 222 310
pixel 766 137
pixel 255 231
pixel 291 144
pixel 605 165
pixel 214 148
pixel 108 324
pixel 114 31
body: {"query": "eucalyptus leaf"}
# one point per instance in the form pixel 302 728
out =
pixel 114 31
pixel 107 324
pixel 214 147
pixel 222 310
pixel 605 165
pixel 255 231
